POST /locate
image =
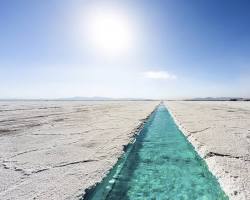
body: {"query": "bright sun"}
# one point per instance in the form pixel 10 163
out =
pixel 109 31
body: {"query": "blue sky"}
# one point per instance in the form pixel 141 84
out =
pixel 179 49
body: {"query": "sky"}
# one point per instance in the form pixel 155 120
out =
pixel 124 49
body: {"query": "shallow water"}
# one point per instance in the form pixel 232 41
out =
pixel 161 164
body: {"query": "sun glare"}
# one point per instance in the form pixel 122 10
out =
pixel 109 31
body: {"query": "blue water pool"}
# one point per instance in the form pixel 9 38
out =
pixel 161 164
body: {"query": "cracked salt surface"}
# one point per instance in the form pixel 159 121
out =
pixel 54 150
pixel 225 145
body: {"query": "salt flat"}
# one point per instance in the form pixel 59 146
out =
pixel 56 149
pixel 220 132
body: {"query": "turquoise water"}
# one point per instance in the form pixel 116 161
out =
pixel 161 164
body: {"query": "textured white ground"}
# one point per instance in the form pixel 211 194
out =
pixel 55 150
pixel 220 132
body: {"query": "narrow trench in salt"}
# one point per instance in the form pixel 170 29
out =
pixel 160 164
